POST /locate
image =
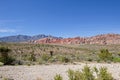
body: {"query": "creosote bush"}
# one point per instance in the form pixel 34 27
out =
pixel 4 56
pixel 105 55
pixel 87 74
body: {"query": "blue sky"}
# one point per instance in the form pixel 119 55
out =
pixel 66 18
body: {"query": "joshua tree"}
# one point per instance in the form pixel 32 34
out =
pixel 51 53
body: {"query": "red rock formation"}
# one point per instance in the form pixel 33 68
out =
pixel 99 39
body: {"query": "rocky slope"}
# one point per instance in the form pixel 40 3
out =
pixel 99 39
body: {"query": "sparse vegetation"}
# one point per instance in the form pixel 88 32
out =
pixel 48 53
pixel 87 74
pixel 58 77
pixel 116 59
pixel 105 55
pixel 104 74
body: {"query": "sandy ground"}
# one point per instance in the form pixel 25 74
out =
pixel 47 72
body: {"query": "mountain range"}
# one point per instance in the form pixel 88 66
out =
pixel 24 38
pixel 48 39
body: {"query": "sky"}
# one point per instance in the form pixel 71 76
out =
pixel 63 18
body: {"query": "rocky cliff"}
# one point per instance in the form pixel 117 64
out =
pixel 99 39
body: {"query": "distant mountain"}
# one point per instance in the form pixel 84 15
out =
pixel 24 38
pixel 99 39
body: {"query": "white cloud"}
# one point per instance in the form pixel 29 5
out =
pixel 7 30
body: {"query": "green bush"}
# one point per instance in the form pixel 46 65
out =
pixel 7 60
pixel 64 59
pixel 87 74
pixel 32 57
pixel 4 57
pixel 45 57
pixel 104 74
pixel 1 64
pixel 105 55
pixel 116 59
pixel 58 77
pixel 71 74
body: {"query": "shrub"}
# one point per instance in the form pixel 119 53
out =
pixel 105 55
pixel 5 58
pixel 104 74
pixel 71 74
pixel 87 74
pixel 116 59
pixel 89 59
pixel 32 57
pixel 45 57
pixel 58 77
pixel 64 59
pixel 1 64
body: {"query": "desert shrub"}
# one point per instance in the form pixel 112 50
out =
pixel 32 57
pixel 104 74
pixel 52 59
pixel 105 55
pixel 64 59
pixel 119 54
pixel 7 60
pixel 90 59
pixel 71 74
pixel 116 59
pixel 45 57
pixel 4 57
pixel 58 77
pixel 1 64
pixel 87 74
pixel 78 75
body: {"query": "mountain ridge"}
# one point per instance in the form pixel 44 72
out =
pixel 110 38
pixel 23 38
pixel 98 39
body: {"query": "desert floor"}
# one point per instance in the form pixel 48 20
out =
pixel 47 72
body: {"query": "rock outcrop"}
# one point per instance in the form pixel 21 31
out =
pixel 99 39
